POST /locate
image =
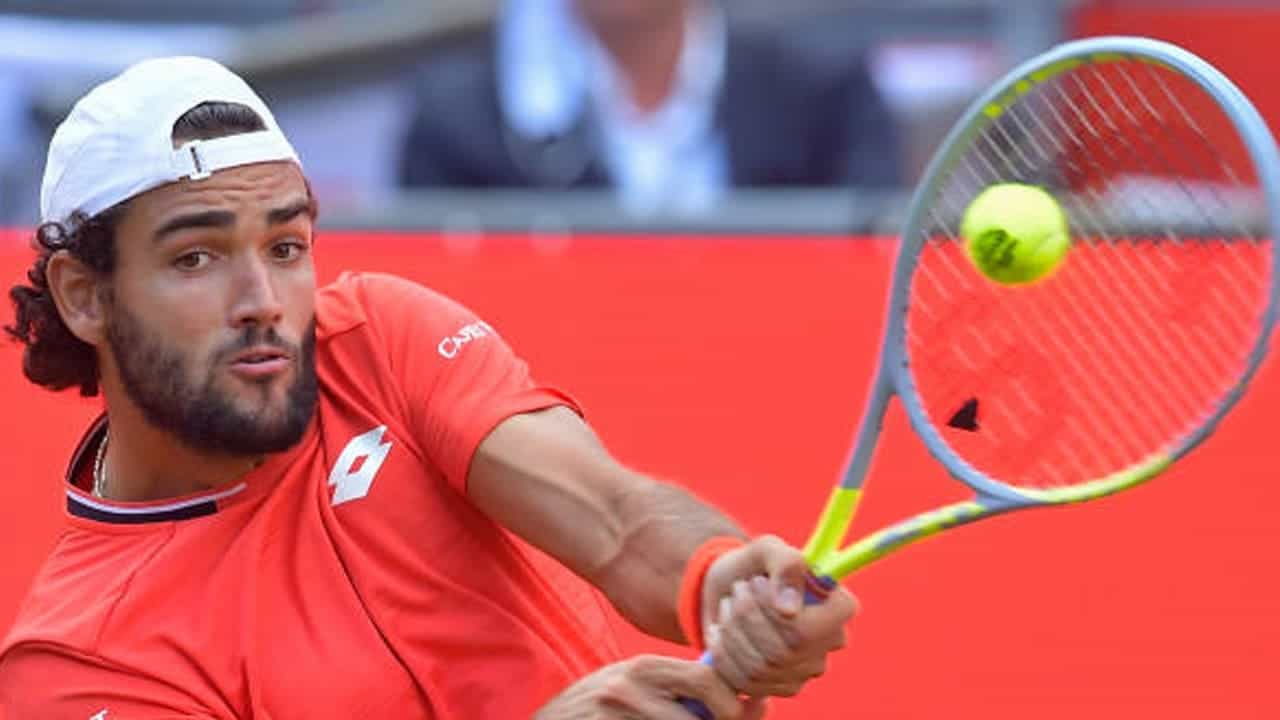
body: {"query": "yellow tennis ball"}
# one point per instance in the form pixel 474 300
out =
pixel 1015 233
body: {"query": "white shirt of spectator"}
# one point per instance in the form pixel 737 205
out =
pixel 670 160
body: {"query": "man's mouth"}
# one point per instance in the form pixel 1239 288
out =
pixel 260 362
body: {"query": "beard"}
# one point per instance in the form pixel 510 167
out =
pixel 161 380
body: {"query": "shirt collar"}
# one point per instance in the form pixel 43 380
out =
pixel 549 65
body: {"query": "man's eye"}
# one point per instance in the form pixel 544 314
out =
pixel 192 261
pixel 290 250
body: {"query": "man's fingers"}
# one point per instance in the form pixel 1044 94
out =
pixel 647 687
pixel 786 568
pixel 784 626
pixel 731 655
pixel 756 620
pixel 822 624
pixel 762 639
pixel 783 687
pixel 793 681
pixel 768 556
pixel 740 657
pixel 668 679
pixel 821 627
pixel 748 644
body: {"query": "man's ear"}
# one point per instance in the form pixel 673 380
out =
pixel 77 292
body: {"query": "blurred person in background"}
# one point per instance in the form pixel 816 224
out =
pixel 665 101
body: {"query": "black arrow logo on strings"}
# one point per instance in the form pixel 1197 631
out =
pixel 966 418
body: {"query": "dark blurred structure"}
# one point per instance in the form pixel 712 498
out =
pixel 232 12
pixel 340 75
pixel 668 102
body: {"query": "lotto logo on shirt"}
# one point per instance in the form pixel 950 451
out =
pixel 452 345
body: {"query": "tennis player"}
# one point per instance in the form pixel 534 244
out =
pixel 340 502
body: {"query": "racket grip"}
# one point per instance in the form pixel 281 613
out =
pixel 816 589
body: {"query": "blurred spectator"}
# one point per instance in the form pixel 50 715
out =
pixel 664 100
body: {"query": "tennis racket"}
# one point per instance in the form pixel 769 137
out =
pixel 1102 375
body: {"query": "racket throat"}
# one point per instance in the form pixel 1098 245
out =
pixel 880 543
pixel 841 506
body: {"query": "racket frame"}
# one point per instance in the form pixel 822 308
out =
pixel 893 377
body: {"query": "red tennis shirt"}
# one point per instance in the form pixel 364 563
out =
pixel 347 577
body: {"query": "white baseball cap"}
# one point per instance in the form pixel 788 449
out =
pixel 117 141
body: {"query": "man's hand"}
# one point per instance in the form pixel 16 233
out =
pixel 647 688
pixel 762 639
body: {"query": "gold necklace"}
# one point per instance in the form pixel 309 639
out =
pixel 100 474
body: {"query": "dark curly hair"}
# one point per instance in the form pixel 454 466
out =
pixel 54 357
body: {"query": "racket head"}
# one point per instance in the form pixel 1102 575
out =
pixel 1061 349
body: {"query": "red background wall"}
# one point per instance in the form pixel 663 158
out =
pixel 738 366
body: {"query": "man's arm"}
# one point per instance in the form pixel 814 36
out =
pixel 547 477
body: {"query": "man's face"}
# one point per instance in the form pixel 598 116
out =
pixel 211 311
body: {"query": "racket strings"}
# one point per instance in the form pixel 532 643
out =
pixel 1246 290
pixel 1133 151
pixel 1157 276
pixel 1099 391
pixel 1163 161
pixel 1096 224
pixel 1152 318
pixel 1081 394
pixel 1217 166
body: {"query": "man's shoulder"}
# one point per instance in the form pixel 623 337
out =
pixel 364 286
pixel 357 298
pixel 71 598
pixel 387 317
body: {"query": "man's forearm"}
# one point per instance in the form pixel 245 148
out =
pixel 664 525
pixel 545 476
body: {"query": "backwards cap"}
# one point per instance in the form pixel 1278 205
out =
pixel 117 142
